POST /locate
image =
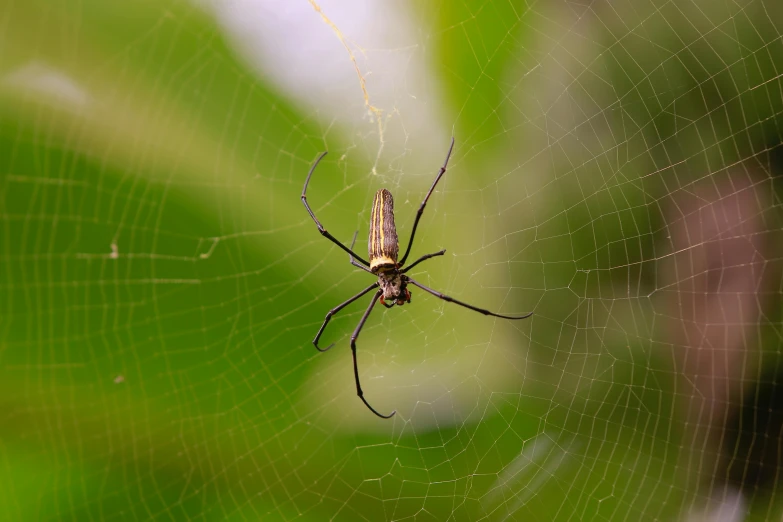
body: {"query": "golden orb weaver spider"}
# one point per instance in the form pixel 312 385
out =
pixel 383 249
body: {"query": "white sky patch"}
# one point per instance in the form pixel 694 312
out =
pixel 48 83
pixel 292 47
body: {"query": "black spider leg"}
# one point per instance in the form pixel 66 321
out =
pixel 334 311
pixel 321 229
pixel 353 261
pixel 466 305
pixel 356 367
pixel 424 203
pixel 423 258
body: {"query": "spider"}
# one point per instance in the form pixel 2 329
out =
pixel 393 281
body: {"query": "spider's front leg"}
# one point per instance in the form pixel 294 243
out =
pixel 321 229
pixel 419 212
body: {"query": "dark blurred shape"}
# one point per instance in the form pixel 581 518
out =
pixel 776 157
pixel 753 437
pixel 754 428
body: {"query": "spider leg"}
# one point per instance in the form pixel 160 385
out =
pixel 355 366
pixel 424 203
pixel 466 305
pixel 321 229
pixel 334 311
pixel 353 261
pixel 423 258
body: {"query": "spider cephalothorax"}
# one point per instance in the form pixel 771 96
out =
pixel 393 287
pixel 383 248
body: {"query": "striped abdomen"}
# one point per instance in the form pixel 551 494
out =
pixel 383 244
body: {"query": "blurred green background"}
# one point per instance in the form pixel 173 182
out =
pixel 161 281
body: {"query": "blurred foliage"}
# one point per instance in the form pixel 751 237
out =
pixel 148 371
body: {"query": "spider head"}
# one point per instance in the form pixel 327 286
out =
pixel 393 286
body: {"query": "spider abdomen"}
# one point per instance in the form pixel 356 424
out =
pixel 383 244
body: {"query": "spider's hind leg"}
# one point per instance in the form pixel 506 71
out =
pixel 333 311
pixel 355 336
pixel 466 305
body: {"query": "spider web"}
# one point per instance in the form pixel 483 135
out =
pixel 616 171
